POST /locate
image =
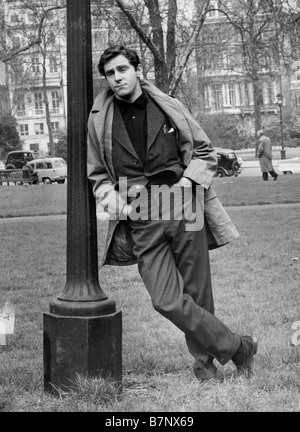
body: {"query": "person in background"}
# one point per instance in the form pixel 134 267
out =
pixel 142 135
pixel 265 156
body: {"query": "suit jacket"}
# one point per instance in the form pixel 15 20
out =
pixel 162 158
pixel 196 152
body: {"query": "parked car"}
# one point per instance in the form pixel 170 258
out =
pixel 18 158
pixel 50 170
pixel 289 166
pixel 228 163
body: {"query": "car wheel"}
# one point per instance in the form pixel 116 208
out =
pixel 220 173
pixel 60 181
pixel 235 167
pixel 47 180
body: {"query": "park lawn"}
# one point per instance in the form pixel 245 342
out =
pixel 256 286
pixel 43 199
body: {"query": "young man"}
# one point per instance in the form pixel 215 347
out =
pixel 151 165
pixel 265 156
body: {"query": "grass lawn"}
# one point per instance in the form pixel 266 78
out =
pixel 256 286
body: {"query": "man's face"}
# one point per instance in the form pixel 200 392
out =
pixel 123 79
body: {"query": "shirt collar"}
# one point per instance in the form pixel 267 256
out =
pixel 140 102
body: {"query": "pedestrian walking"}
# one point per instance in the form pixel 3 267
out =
pixel 265 156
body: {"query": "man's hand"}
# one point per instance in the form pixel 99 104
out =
pixel 184 182
pixel 127 209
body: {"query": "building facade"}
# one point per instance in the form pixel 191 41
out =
pixel 36 77
pixel 234 79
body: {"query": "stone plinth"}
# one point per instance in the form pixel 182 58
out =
pixel 89 345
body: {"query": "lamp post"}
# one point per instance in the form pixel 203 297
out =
pixel 82 331
pixel 279 102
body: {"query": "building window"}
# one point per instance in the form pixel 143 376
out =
pixel 100 39
pixel 53 64
pixel 217 96
pixel 31 17
pixel 297 102
pixel 241 91
pixel 55 102
pixel 24 129
pixel 51 39
pixel 16 42
pixel 21 107
pixel 35 65
pixel 247 94
pixel 55 126
pixel 212 12
pixel 231 95
pixel 206 96
pixel 14 18
pixel 270 93
pixel 38 103
pixel 39 128
pixel 34 146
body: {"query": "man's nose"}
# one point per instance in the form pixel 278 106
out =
pixel 117 76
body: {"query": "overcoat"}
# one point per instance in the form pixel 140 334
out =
pixel 265 154
pixel 196 151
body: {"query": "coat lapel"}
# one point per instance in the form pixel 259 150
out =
pixel 120 132
pixel 155 118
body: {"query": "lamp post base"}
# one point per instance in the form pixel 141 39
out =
pixel 283 154
pixel 86 345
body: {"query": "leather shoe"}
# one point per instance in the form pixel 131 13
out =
pixel 244 357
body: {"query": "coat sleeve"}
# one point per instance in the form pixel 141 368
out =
pixel 108 199
pixel 203 163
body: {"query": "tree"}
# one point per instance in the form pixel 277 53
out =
pixel 9 136
pixel 169 30
pixel 61 145
pixel 261 29
pixel 222 130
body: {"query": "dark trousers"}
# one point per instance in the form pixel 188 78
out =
pixel 266 176
pixel 175 268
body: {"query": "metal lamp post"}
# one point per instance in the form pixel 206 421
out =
pixel 279 102
pixel 83 330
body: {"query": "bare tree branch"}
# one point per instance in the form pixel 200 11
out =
pixel 202 11
pixel 37 40
pixel 138 29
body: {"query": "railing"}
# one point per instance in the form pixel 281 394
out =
pixel 16 176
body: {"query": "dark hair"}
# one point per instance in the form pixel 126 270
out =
pixel 113 52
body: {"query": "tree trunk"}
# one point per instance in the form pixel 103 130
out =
pixel 257 113
pixel 47 109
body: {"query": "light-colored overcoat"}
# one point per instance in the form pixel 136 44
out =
pixel 265 154
pixel 199 157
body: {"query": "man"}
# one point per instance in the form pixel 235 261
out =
pixel 265 156
pixel 143 149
